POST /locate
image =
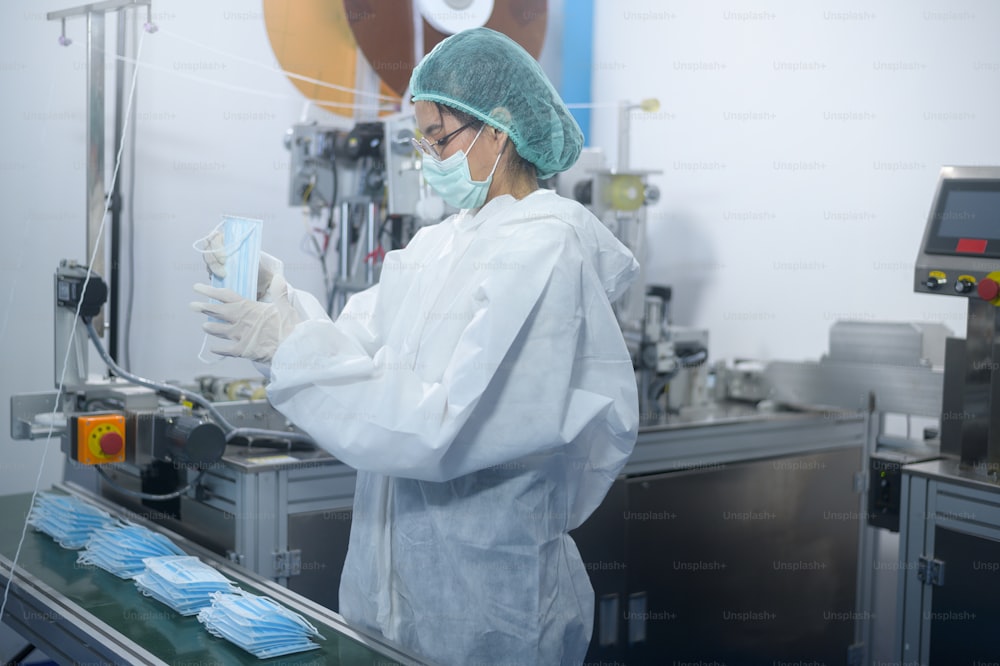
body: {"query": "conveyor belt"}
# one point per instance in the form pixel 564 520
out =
pixel 81 614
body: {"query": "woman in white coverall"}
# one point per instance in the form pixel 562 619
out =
pixel 482 390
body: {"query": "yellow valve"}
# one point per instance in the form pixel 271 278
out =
pixel 650 105
pixel 627 192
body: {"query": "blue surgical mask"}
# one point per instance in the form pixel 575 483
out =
pixel 184 583
pixel 120 549
pixel 241 247
pixel 68 520
pixel 258 625
pixel 452 179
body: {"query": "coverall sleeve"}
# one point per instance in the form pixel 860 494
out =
pixel 375 413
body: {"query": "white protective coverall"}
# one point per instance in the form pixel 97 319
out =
pixel 485 395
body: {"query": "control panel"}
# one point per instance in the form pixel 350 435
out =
pixel 960 253
pixel 885 484
pixel 960 256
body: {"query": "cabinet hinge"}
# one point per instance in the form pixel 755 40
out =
pixel 930 571
pixel 287 563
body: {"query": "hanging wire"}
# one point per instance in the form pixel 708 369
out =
pixel 278 70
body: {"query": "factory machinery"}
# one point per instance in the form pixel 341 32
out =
pixel 214 465
pixel 718 469
pixel 743 529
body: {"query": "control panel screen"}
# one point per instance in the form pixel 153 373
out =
pixel 966 220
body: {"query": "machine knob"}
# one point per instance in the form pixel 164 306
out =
pixel 111 443
pixel 988 289
pixel 964 286
pixel 933 283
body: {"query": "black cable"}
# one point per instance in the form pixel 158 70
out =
pixel 114 270
pixel 180 395
pixel 694 358
pixel 20 656
pixel 103 403
pixel 147 496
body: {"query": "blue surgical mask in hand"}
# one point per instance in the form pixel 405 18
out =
pixel 232 254
pixel 259 625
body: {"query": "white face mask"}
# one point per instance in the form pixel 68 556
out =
pixel 451 178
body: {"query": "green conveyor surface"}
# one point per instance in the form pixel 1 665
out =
pixel 172 637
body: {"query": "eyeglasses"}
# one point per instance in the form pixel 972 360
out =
pixel 431 148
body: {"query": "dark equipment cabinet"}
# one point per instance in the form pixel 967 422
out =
pixel 750 561
pixel 949 577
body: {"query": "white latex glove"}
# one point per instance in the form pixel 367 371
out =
pixel 215 260
pixel 254 328
pixel 269 268
pixel 215 253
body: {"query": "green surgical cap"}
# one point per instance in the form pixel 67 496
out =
pixel 490 76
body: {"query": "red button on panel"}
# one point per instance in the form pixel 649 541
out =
pixel 971 245
pixel 111 443
pixel 988 289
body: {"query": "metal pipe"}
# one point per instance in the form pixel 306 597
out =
pixel 370 245
pixel 95 146
pixel 96 8
pixel 338 297
pixel 624 120
pixel 114 273
pixel 95 193
pixel 344 255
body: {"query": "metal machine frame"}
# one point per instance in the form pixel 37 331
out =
pixel 950 520
pixel 878 369
pixel 283 515
pixel 968 266
pixel 96 196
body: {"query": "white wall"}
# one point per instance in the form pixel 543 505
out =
pixel 800 144
pixel 865 107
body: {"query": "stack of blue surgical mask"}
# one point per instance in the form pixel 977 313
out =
pixel 67 519
pixel 121 549
pixel 182 582
pixel 259 625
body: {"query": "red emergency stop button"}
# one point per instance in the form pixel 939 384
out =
pixel 988 289
pixel 99 438
pixel 111 443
